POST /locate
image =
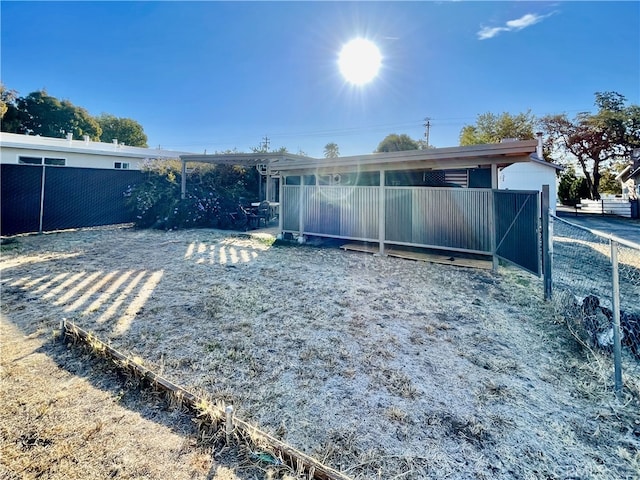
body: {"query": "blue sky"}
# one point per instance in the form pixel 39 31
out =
pixel 214 76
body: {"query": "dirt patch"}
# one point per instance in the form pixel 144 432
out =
pixel 379 367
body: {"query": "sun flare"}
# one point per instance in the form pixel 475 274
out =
pixel 359 61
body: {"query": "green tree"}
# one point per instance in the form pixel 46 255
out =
pixel 125 130
pixel 571 188
pixel 10 116
pixel 491 128
pixel 331 150
pixel 423 145
pixel 7 98
pixel 397 143
pixel 41 114
pixel 595 141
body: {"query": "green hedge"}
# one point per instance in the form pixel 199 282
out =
pixel 212 193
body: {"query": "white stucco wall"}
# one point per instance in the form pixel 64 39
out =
pixel 73 159
pixel 530 176
pixel 78 153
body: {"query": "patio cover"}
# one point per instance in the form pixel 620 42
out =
pixel 496 155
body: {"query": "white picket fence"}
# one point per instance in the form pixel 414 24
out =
pixel 607 206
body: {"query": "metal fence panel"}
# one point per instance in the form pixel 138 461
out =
pixel 290 208
pixel 516 220
pixel 398 214
pixel 359 212
pixel 322 207
pixel 455 218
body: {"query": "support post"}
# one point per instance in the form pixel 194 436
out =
pixel 183 180
pixel 493 231
pixel 546 243
pixel 42 180
pixel 382 233
pixel 280 200
pixel 301 207
pixel 494 186
pixel 267 188
pixel 617 350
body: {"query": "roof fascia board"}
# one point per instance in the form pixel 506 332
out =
pixel 443 164
pixel 243 158
pixel 108 153
pixel 535 159
pixel 515 149
pixel 10 140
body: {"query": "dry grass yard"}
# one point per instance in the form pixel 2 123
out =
pixel 380 367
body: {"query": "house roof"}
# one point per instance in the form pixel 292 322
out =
pixel 535 159
pixel 248 159
pixel 500 154
pixel 34 142
pixel 628 173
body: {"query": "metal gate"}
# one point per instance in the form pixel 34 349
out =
pixel 517 235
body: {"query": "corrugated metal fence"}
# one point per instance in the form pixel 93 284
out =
pixel 458 219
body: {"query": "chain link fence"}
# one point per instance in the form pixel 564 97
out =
pixel 596 291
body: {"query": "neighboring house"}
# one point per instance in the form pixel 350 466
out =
pixel 629 178
pixel 57 183
pixel 36 150
pixel 531 176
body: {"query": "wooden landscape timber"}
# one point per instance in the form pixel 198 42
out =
pixel 298 461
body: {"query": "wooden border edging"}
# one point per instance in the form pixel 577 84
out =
pixel 295 459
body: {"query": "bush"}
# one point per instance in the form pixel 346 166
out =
pixel 212 193
pixel 571 188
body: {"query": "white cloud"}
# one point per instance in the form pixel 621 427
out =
pixel 512 25
pixel 490 32
pixel 524 21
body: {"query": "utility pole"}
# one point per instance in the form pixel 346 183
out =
pixel 265 143
pixel 427 126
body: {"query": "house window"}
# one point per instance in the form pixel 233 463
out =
pixel 61 162
pixel 39 161
pixel 121 165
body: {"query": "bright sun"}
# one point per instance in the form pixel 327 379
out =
pixel 359 61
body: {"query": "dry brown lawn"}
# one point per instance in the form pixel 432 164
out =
pixel 379 367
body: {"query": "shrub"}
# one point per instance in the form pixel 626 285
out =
pixel 572 188
pixel 211 194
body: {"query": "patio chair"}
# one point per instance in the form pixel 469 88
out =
pixel 264 212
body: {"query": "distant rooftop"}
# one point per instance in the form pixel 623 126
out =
pixel 37 142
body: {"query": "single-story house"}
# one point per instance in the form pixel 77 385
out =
pixel 56 183
pixel 531 176
pixel 36 150
pixel 441 198
pixel 629 177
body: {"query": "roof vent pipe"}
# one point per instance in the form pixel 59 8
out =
pixel 86 139
pixel 539 146
pixel 69 136
pixel 115 142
